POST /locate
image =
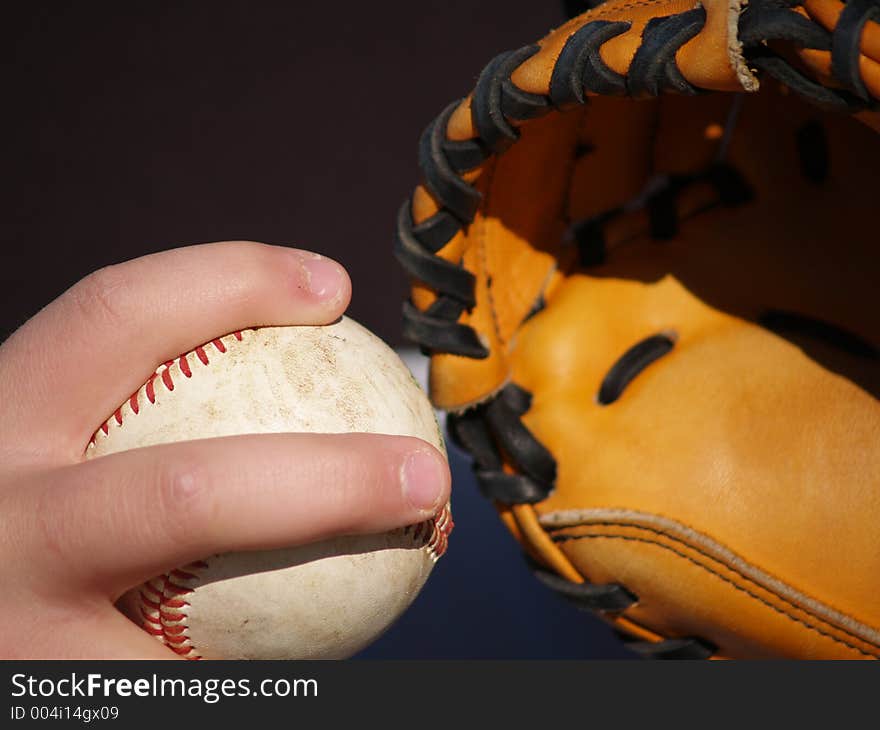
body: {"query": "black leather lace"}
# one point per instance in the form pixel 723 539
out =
pixel 764 22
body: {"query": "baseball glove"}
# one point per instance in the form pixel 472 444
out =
pixel 643 263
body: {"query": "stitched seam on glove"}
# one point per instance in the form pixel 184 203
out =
pixel 701 542
pixel 733 583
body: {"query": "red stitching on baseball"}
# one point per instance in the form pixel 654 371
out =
pixel 165 611
pixel 164 375
pixel 168 623
pixel 432 534
pixel 148 616
pixel 149 602
pixel 176 589
pixel 442 527
pixel 174 630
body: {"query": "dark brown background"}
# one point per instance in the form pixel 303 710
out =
pixel 134 127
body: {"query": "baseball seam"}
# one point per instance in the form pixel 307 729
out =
pixel 164 606
pixel 163 374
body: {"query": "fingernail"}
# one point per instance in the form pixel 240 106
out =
pixel 422 479
pixel 323 276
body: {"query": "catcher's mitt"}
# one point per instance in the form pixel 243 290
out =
pixel 654 323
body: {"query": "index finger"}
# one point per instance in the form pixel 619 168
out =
pixel 98 342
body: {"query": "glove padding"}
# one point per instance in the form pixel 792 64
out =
pixel 654 321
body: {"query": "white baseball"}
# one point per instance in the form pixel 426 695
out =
pixel 324 600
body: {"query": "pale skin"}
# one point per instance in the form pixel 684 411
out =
pixel 76 534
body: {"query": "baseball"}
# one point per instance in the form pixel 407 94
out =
pixel 325 600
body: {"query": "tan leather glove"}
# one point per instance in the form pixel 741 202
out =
pixel 644 263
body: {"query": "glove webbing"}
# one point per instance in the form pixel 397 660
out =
pixel 497 102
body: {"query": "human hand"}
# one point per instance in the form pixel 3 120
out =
pixel 77 533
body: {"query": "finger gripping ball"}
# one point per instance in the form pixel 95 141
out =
pixel 328 599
